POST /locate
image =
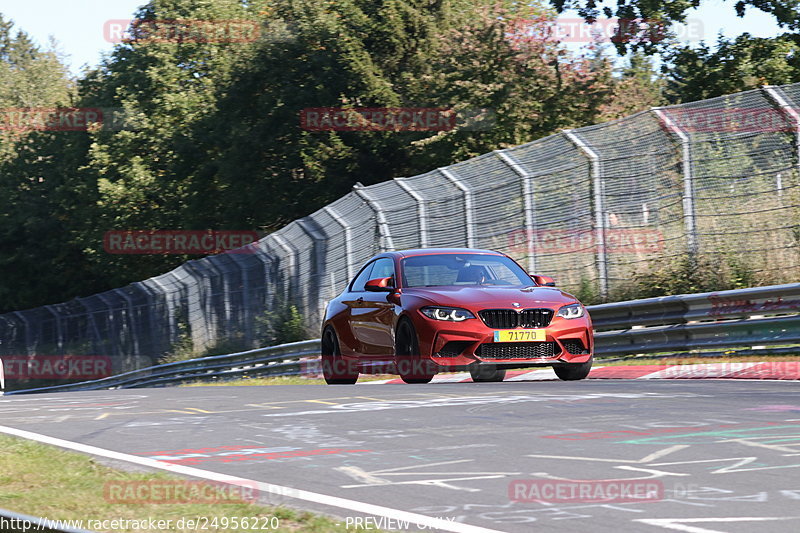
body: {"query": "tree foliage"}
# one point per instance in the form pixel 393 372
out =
pixel 734 65
pixel 655 16
pixel 214 139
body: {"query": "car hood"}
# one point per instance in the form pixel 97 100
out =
pixel 491 297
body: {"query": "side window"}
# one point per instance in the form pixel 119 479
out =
pixel 362 278
pixel 384 268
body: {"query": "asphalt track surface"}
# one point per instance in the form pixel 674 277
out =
pixel 716 455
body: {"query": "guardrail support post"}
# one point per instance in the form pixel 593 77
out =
pixel 421 210
pixel 383 225
pixel 599 208
pixel 468 208
pixel 688 181
pixel 529 204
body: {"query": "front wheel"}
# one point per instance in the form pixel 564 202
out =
pixel 335 369
pixel 410 365
pixel 573 371
pixel 486 373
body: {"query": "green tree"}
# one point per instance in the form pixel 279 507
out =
pixel 739 64
pixel 41 199
pixel 637 87
pixel 645 23
pixel 216 140
pixel 164 85
pixel 30 77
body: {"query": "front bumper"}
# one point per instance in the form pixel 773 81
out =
pixel 456 345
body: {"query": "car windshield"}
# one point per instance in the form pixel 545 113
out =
pixel 462 269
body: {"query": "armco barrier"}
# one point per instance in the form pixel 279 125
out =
pixel 763 316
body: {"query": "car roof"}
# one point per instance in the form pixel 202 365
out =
pixel 435 251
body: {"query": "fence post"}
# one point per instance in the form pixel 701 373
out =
pixel 421 211
pixel 114 339
pixel 599 209
pixel 173 329
pixel 59 332
pixel 469 211
pixel 383 225
pixel 348 240
pixel 529 204
pixel 688 181
pixel 248 317
pixel 130 321
pixel 307 225
pixel 772 93
pixel 293 266
pixel 29 342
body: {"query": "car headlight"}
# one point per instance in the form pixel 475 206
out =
pixel 571 311
pixel 453 314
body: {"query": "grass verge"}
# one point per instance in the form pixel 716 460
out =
pixel 44 481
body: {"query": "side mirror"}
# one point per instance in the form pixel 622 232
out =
pixel 546 281
pixel 379 285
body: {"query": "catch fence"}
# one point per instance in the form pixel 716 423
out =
pixel 597 208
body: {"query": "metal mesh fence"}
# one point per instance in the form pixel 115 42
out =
pixel 594 207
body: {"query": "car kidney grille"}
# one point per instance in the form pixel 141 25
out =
pixel 511 318
pixel 516 350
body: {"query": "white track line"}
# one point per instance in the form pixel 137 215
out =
pixel 681 524
pixel 353 505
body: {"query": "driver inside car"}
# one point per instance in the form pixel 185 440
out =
pixel 472 274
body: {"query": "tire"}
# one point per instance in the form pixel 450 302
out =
pixel 335 369
pixel 573 371
pixel 486 373
pixel 411 367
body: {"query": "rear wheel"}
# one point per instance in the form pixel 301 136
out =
pixel 335 369
pixel 573 371
pixel 411 367
pixel 486 373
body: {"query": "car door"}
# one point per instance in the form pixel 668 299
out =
pixel 372 315
pixel 353 301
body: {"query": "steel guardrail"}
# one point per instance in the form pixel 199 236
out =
pixel 763 316
pixel 685 308
pixel 262 361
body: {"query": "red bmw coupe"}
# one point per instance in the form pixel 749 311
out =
pixel 419 312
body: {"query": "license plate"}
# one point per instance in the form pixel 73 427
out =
pixel 520 335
